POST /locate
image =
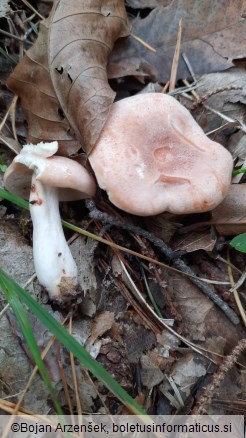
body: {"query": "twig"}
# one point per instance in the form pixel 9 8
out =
pixel 107 219
pixel 159 275
pixel 194 94
pixel 16 37
pixel 168 253
pixel 4 310
pixel 239 282
pixel 7 56
pixel 228 263
pixel 189 66
pixel 183 90
pixel 241 125
pixel 166 86
pixel 206 398
pixel 12 144
pixel 146 45
pixel 175 63
pixel 202 99
pixel 234 289
pixel 223 127
pixel 32 9
pixel 156 321
pixel 209 292
pixel 29 281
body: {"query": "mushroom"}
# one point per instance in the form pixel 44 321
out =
pixel 50 179
pixel 152 157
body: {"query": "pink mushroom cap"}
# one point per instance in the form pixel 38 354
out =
pixel 153 157
pixel 72 180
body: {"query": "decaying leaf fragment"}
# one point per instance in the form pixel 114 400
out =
pixel 213 35
pixel 229 217
pixel 62 80
pixel 4 8
pixel 147 3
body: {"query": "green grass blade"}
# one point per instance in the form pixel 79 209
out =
pixel 24 322
pixel 238 171
pixel 11 287
pixel 21 203
pixel 13 198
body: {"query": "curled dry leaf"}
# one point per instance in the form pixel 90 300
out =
pixel 213 34
pixel 147 3
pixel 188 370
pixel 62 80
pixel 230 102
pixel 150 372
pixel 194 241
pixel 229 217
pixel 101 324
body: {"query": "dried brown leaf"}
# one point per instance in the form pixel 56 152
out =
pixel 225 93
pixel 101 324
pixel 214 83
pixel 188 370
pixel 150 372
pixel 62 80
pixel 195 241
pixel 147 3
pixel 229 217
pixel 213 35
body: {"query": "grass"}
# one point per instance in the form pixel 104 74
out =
pixel 11 294
pixel 16 297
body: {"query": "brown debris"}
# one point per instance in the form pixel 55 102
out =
pixel 213 35
pixel 229 217
pixel 162 371
pixel 113 357
pixel 72 99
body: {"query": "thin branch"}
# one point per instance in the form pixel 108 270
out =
pixel 32 9
pixel 146 45
pixel 206 398
pixel 175 63
pixel 170 255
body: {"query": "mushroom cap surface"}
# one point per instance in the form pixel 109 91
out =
pixel 72 180
pixel 153 157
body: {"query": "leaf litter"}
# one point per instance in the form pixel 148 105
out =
pixel 62 82
pixel 72 107
pixel 213 35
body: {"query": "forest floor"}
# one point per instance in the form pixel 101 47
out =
pixel 151 327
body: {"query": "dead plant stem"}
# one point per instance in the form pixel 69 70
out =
pixel 206 398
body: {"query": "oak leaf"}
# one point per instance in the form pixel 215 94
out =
pixel 214 33
pixel 229 218
pixel 62 80
pixel 142 4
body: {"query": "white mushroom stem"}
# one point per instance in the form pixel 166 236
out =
pixel 52 179
pixel 55 267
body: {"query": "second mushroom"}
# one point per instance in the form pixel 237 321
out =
pixel 50 179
